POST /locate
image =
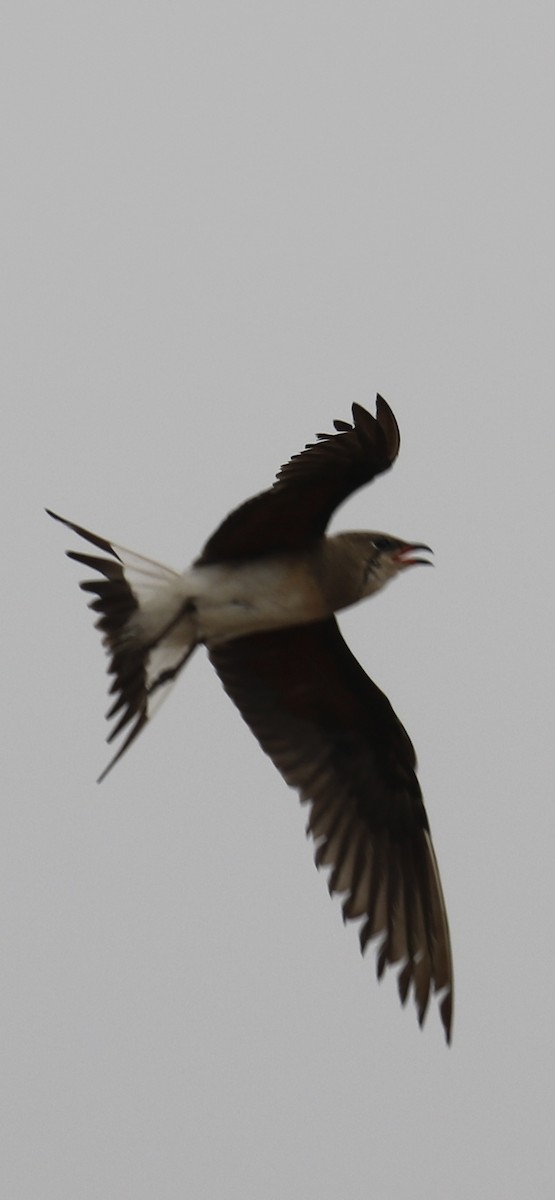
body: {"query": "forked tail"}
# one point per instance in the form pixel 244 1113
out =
pixel 147 630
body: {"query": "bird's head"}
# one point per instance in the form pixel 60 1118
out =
pixel 385 556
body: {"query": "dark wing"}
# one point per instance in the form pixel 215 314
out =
pixel 334 736
pixel 309 488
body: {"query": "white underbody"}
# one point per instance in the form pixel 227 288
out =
pixel 209 604
pixel 213 604
pixel 153 617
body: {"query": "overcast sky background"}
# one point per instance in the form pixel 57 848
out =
pixel 224 223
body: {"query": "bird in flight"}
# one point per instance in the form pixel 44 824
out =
pixel 262 597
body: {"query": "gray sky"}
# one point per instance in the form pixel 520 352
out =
pixel 223 224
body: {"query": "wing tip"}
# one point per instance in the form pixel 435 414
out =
pixel 446 1014
pixel 386 421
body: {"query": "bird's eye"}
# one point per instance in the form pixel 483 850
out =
pixel 383 543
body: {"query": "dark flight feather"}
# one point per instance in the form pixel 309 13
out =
pixel 334 736
pixel 297 508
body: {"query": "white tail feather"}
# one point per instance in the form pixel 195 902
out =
pixel 146 628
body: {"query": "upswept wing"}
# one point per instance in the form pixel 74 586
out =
pixel 334 736
pixel 309 488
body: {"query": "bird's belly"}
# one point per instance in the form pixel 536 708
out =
pixel 231 600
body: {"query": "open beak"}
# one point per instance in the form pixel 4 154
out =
pixel 405 555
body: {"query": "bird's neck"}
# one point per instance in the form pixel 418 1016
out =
pixel 339 564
